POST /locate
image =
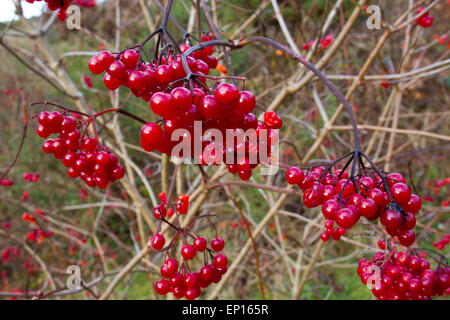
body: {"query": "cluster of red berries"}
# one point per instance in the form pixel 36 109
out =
pixel 83 156
pixel 426 20
pixel 6 182
pixel 345 202
pixel 402 276
pixel 143 78
pixel 185 283
pixel 8 253
pixel 38 235
pixel 223 108
pixel 62 5
pixel 441 244
pixel 30 177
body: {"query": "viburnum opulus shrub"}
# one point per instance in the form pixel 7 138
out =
pixel 175 82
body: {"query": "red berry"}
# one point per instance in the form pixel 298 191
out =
pixel 330 208
pixel 367 208
pixel 130 58
pixel 158 241
pixel 391 219
pixel 160 103
pixel 247 102
pixel 401 193
pixel 94 66
pixel 217 244
pixel 200 244
pixel 220 261
pixel 346 218
pixel 191 279
pixel 188 252
pixel 162 287
pixel 311 198
pixel 151 136
pixel 413 205
pixel 226 94
pixel 117 70
pixel 294 175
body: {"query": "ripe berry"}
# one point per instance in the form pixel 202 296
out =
pixel 367 208
pixel 226 93
pixel 136 80
pixel 117 70
pixel 182 98
pixel 294 175
pixel 217 244
pixel 200 244
pixel 401 193
pixel 158 241
pixel 206 274
pixel 330 208
pixel 391 219
pixel 406 237
pixel 346 218
pixel 191 279
pixel 192 293
pixel 247 102
pixel 162 287
pixel 151 136
pixel 188 252
pixel 94 66
pixel 220 261
pixel 413 205
pixel 209 108
pixel 311 198
pixel 130 58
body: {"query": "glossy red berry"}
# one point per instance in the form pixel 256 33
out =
pixel 400 192
pixel 158 241
pixel 162 287
pixel 217 244
pixel 220 261
pixel 188 252
pixel 200 244
pixel 346 218
pixel 151 136
pixel 226 94
pixel 294 175
pixel 130 58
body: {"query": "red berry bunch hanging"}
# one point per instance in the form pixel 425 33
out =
pixel 84 157
pixel 345 200
pixel 180 101
pixel 179 279
pixel 404 276
pixel 426 20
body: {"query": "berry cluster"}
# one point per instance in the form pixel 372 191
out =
pixel 6 182
pixel 62 5
pixel 30 177
pixel 84 157
pixel 399 275
pixel 164 83
pixel 426 20
pixel 182 282
pixel 441 244
pixel 345 200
